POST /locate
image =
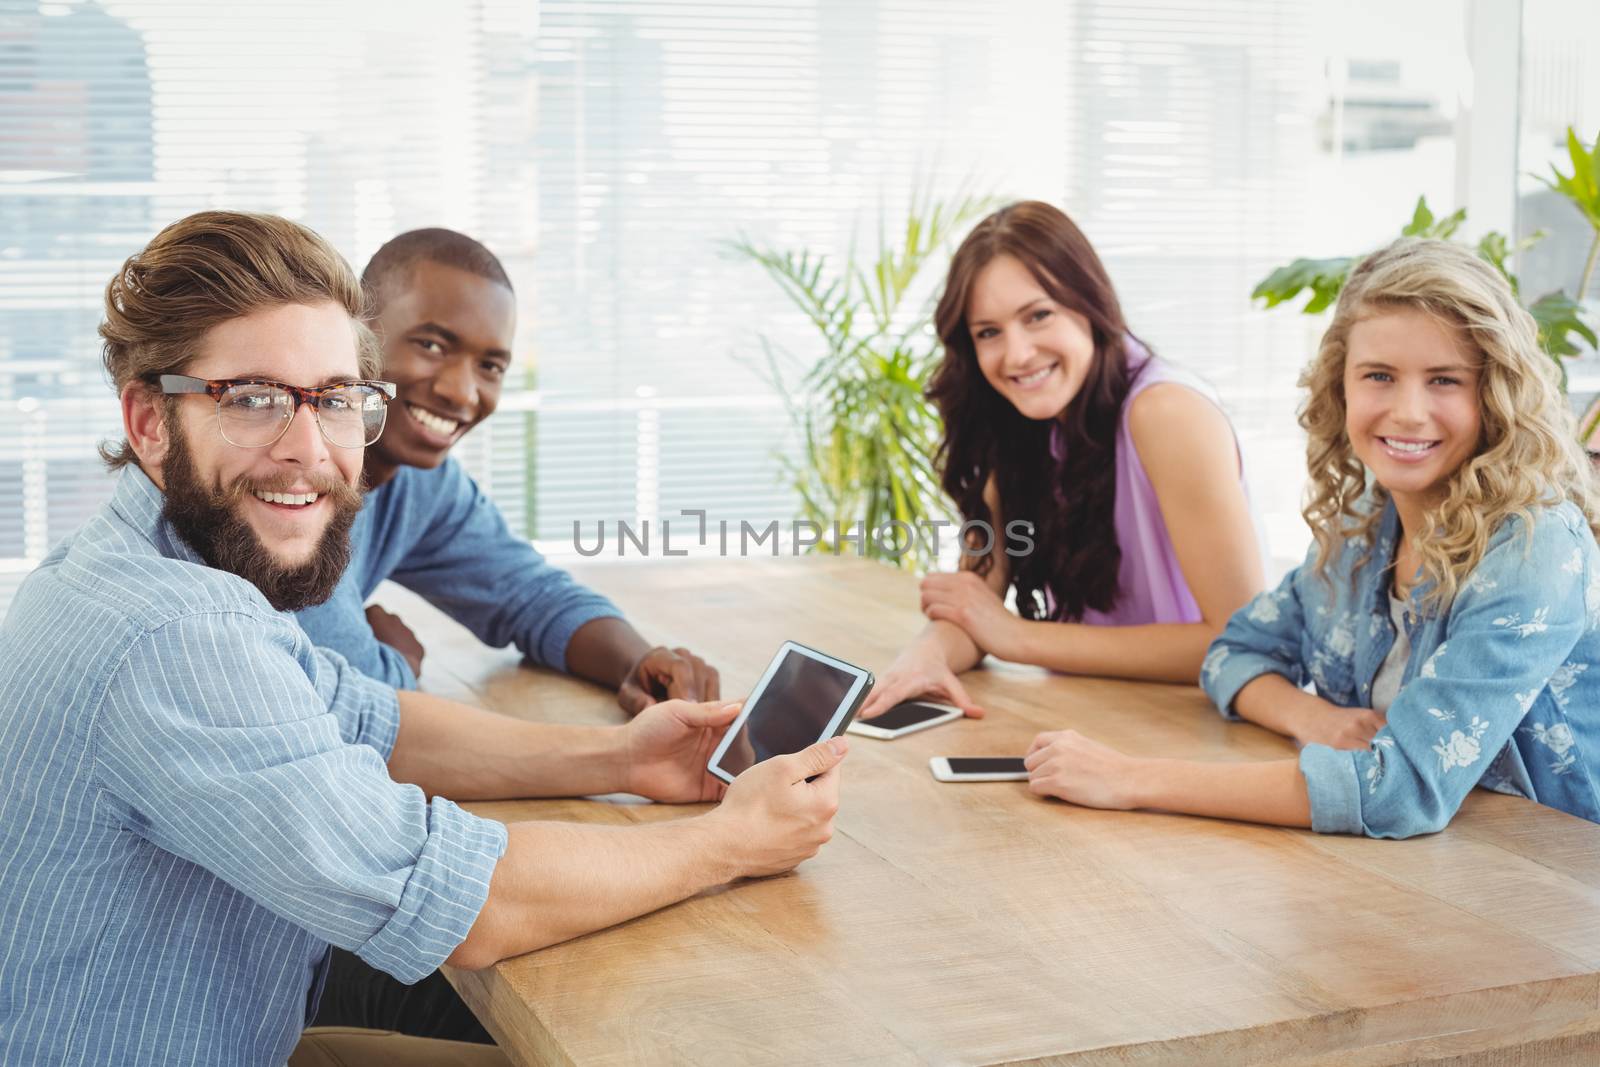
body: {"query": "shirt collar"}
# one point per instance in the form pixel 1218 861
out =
pixel 141 505
pixel 1375 583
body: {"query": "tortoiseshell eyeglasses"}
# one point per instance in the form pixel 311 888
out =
pixel 255 412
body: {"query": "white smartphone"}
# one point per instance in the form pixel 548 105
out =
pixel 978 768
pixel 906 718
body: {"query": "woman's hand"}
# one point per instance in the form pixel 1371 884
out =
pixel 1317 722
pixel 1065 764
pixel 967 601
pixel 919 671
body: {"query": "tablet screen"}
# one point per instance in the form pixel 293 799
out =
pixel 792 710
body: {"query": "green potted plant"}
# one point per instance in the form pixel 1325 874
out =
pixel 867 435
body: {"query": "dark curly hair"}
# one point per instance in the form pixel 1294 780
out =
pixel 1070 502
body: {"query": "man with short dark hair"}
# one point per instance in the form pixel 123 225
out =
pixel 445 313
pixel 196 802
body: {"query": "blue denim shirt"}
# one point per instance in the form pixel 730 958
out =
pixel 435 532
pixel 193 806
pixel 1500 689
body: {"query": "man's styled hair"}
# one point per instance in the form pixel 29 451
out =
pixel 391 265
pixel 207 269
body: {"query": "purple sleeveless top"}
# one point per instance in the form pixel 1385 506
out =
pixel 1150 583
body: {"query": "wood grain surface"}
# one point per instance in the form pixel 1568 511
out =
pixel 977 924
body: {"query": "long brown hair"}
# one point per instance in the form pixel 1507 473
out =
pixel 1071 502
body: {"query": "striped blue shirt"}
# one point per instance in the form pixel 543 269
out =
pixel 194 805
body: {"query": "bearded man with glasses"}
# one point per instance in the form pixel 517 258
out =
pixel 196 802
pixel 255 413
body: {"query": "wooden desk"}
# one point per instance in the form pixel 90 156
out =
pixel 976 924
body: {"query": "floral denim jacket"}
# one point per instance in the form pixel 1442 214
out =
pixel 1500 689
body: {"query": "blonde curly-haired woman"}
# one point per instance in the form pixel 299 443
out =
pixel 1448 614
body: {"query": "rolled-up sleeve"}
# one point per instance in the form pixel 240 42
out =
pixel 1263 637
pixel 224 740
pixel 1334 787
pixel 1514 623
pixel 440 901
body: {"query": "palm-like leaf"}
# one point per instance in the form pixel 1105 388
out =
pixel 867 435
pixel 1560 318
pixel 1582 186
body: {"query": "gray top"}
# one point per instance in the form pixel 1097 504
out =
pixel 1386 685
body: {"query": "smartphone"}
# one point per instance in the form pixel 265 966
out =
pixel 906 718
pixel 978 769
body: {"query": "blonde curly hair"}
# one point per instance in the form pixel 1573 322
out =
pixel 1528 454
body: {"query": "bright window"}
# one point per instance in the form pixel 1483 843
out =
pixel 607 148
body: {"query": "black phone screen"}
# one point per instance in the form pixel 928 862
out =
pixel 986 764
pixel 902 715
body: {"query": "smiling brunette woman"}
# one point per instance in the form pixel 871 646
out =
pixel 1125 467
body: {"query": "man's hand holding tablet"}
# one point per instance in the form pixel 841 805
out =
pixel 780 812
pixel 804 696
pixel 780 745
pixel 776 816
pixel 666 747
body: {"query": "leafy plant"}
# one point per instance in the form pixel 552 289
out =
pixel 1582 187
pixel 1423 224
pixel 867 435
pixel 1324 277
pixel 1561 318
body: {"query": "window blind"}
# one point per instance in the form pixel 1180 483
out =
pixel 608 149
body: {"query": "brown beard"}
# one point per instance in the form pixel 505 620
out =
pixel 209 520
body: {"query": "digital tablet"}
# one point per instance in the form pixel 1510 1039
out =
pixel 804 697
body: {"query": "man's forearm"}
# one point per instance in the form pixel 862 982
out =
pixel 604 650
pixel 559 880
pixel 466 753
